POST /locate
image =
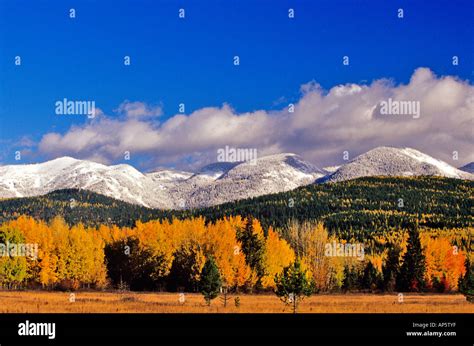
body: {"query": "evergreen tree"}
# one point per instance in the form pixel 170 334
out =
pixel 391 269
pixel 350 281
pixel 292 285
pixel 370 277
pixel 210 282
pixel 412 271
pixel 466 282
pixel 253 246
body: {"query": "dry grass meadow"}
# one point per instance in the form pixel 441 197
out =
pixel 133 302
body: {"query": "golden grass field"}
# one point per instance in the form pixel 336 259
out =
pixel 133 302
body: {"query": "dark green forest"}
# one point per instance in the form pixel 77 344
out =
pixel 376 204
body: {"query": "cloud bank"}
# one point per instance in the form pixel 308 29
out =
pixel 322 125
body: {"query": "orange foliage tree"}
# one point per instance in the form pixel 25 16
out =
pixel 444 263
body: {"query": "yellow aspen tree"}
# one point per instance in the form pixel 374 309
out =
pixel 278 255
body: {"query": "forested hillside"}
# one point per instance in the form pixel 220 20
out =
pixel 370 234
pixel 78 206
pixel 361 205
pixel 366 204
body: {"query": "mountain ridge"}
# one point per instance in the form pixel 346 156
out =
pixel 391 161
pixel 214 184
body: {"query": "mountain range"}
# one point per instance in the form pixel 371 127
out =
pixel 216 183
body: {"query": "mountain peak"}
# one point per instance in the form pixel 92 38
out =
pixel 391 161
pixel 64 158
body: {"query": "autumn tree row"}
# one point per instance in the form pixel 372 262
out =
pixel 170 255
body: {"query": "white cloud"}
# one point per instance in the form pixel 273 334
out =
pixel 138 109
pixel 323 125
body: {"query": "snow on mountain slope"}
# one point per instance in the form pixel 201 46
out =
pixel 388 161
pixel 269 174
pixel 168 177
pixel 121 181
pixel 468 168
pixel 331 169
pixel 214 184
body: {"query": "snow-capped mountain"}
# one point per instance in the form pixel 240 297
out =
pixel 468 168
pixel 269 174
pixel 213 184
pixel 121 181
pixel 388 161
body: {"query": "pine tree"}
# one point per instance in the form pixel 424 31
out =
pixel 466 282
pixel 253 246
pixel 210 282
pixel 391 269
pixel 412 271
pixel 350 281
pixel 292 285
pixel 370 277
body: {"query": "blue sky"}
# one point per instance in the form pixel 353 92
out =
pixel 191 60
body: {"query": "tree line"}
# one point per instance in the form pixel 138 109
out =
pixel 164 255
